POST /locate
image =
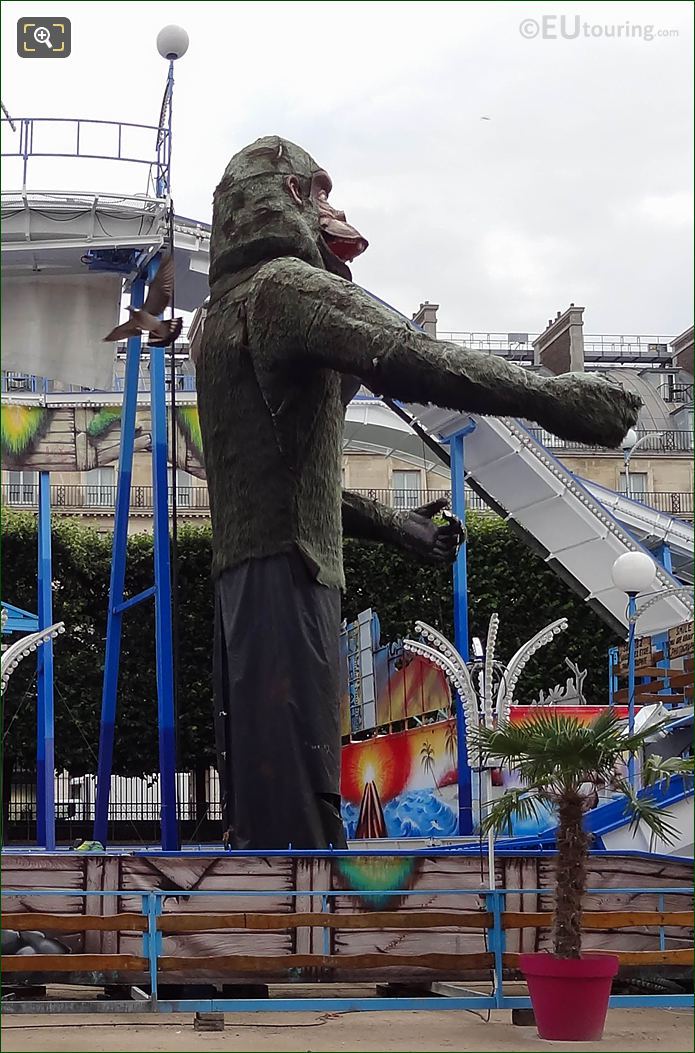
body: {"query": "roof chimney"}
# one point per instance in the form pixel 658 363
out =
pixel 427 317
pixel 560 348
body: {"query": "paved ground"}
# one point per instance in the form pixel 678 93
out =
pixel 665 1030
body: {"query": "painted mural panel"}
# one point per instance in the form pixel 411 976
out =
pixel 405 784
pixel 75 438
pixel 401 785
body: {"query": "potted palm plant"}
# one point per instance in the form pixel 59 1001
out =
pixel 560 759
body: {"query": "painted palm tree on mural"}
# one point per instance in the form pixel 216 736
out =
pixel 451 741
pixel 427 761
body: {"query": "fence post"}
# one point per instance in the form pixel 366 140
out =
pixel 662 932
pixel 153 940
pixel 326 932
pixel 493 902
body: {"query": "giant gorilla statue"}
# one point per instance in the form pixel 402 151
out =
pixel 288 339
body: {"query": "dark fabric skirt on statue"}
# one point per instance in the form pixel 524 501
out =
pixel 277 698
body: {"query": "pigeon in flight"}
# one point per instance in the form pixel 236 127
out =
pixel 144 319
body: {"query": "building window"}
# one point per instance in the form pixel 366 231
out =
pixel 407 489
pixel 184 493
pixel 22 488
pixel 100 488
pixel 639 483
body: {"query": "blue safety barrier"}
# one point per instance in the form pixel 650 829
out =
pixel 152 904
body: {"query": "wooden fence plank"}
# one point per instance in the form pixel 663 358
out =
pixel 75 922
pixel 249 963
pixel 595 919
pixel 371 920
pixel 73 963
pixel 682 957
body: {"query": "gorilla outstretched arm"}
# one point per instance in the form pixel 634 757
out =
pixel 297 313
pixel 412 530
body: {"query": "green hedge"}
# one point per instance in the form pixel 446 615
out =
pixel 503 576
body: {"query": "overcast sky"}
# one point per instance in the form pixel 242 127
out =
pixel 578 187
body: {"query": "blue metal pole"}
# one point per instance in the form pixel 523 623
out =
pixel 118 563
pixel 465 787
pixel 45 718
pixel 458 501
pixel 162 601
pixel 631 614
pixel 663 554
pixel 612 674
pixel 461 635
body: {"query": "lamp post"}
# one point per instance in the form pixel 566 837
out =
pixel 632 573
pixel 631 443
pixel 172 44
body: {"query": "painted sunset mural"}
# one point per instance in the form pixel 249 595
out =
pixel 401 785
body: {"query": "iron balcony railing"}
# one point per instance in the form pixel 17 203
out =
pixel 195 500
pixel 601 347
pixel 658 442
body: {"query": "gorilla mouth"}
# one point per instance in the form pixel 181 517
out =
pixel 344 248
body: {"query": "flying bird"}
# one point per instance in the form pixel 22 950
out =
pixel 486 118
pixel 144 319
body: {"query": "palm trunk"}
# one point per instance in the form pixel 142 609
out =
pixel 570 877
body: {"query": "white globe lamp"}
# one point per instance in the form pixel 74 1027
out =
pixel 630 439
pixel 634 572
pixel 172 42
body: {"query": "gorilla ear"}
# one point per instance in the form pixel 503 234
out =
pixel 294 190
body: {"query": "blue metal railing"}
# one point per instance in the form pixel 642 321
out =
pixel 152 907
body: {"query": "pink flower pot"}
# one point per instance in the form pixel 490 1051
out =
pixel 569 996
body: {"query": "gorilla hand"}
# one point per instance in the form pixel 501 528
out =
pixel 431 541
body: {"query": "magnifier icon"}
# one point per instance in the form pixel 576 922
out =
pixel 42 36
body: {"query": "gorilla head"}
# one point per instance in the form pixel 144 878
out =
pixel 272 201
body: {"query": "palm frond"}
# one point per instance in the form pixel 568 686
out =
pixel 660 769
pixel 644 809
pixel 524 804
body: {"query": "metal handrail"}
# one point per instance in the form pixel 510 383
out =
pixel 322 901
pixel 25 147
